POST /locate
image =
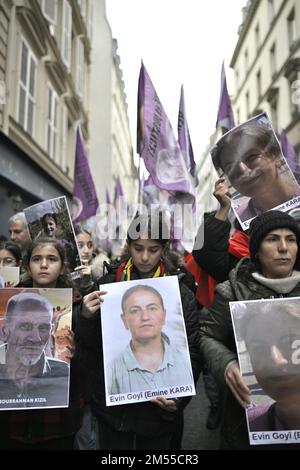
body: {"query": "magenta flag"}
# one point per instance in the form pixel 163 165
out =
pixel 156 141
pixel 85 201
pixel 290 155
pixel 225 118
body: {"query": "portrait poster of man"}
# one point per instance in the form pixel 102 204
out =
pixel 258 176
pixel 34 367
pixel 267 334
pixel 52 219
pixel 144 340
pixel 10 275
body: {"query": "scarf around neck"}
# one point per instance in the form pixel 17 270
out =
pixel 281 286
pixel 125 269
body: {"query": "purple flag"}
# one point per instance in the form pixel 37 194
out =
pixel 152 194
pixel 225 118
pixel 85 201
pixel 290 155
pixel 107 197
pixel 156 141
pixel 120 203
pixel 184 139
pixel 118 190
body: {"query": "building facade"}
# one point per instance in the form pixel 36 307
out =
pixel 45 56
pixel 266 63
pixel 110 146
pixel 48 53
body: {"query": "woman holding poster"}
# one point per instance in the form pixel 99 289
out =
pixel 271 272
pixel 271 331
pixel 147 425
pixel 52 428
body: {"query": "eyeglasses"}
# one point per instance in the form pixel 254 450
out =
pixel 7 261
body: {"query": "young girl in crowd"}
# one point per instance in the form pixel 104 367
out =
pixel 149 425
pixel 10 256
pixel 86 437
pixel 92 264
pixel 45 429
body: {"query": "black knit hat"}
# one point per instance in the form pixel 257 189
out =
pixel 266 222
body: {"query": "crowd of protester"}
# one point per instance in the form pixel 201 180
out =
pixel 231 265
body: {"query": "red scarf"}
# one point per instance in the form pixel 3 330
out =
pixel 238 247
pixel 239 244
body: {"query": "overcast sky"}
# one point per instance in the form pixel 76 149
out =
pixel 179 41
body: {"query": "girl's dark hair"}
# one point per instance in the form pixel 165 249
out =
pixel 149 227
pixel 153 227
pixel 62 280
pixel 80 230
pixel 49 214
pixel 137 288
pixel 13 248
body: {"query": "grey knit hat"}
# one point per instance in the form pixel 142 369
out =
pixel 266 222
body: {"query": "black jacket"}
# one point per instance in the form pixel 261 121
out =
pixel 145 419
pixel 218 348
pixel 214 256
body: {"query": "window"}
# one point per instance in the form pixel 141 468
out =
pixel 271 10
pixel 273 60
pixel 257 38
pixel 294 86
pixel 49 9
pixel 292 30
pixel 64 138
pixel 237 79
pixel 89 21
pixel 246 61
pixel 274 113
pixel 247 104
pixel 66 36
pixel 79 67
pixel 52 122
pixel 27 88
pixel 82 6
pixel 258 84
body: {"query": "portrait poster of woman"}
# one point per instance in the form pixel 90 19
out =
pixel 257 173
pixel 144 341
pixel 267 335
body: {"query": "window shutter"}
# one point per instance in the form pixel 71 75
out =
pixel 64 139
pixel 66 33
pixel 49 9
pixel 52 122
pixel 80 68
pixel 27 86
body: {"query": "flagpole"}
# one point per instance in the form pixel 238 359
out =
pixel 140 199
